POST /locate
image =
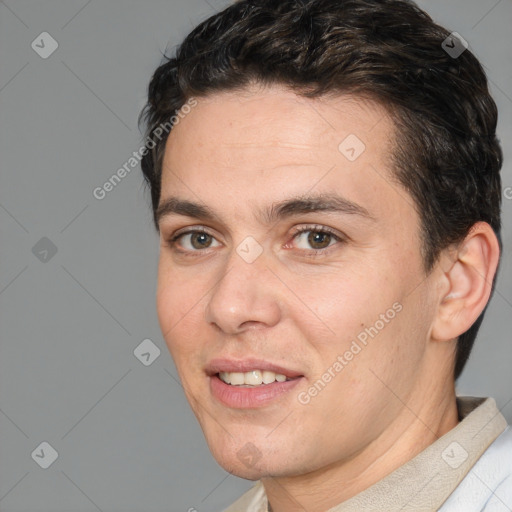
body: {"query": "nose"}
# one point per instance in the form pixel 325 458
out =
pixel 245 296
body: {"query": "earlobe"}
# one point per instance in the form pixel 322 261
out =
pixel 469 283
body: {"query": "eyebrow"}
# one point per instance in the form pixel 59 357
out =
pixel 331 203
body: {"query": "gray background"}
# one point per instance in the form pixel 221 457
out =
pixel 125 437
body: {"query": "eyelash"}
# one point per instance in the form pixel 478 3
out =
pixel 172 242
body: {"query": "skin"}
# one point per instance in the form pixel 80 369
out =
pixel 238 153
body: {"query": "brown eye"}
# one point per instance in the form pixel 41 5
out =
pixel 316 238
pixel 200 240
pixel 319 239
pixel 193 241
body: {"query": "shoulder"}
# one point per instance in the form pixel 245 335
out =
pixel 488 485
pixel 501 479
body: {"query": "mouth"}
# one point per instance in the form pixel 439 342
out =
pixel 250 383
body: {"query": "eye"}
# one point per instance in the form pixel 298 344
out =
pixel 193 240
pixel 315 237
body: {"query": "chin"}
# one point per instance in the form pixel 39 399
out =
pixel 241 471
pixel 243 465
pixel 251 463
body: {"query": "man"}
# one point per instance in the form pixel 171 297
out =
pixel 325 181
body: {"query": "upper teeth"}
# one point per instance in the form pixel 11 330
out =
pixel 252 378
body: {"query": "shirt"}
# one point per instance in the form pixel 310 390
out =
pixel 468 469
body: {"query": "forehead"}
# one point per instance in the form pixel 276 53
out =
pixel 278 121
pixel 265 144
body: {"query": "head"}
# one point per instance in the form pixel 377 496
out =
pixel 343 171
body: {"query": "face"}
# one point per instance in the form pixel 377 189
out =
pixel 291 290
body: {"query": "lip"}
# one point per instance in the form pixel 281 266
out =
pixel 249 397
pixel 245 365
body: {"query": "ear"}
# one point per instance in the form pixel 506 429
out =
pixel 466 283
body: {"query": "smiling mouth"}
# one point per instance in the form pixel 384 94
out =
pixel 253 378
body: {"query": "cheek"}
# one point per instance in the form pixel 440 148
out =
pixel 360 316
pixel 335 307
pixel 177 309
pixel 178 304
